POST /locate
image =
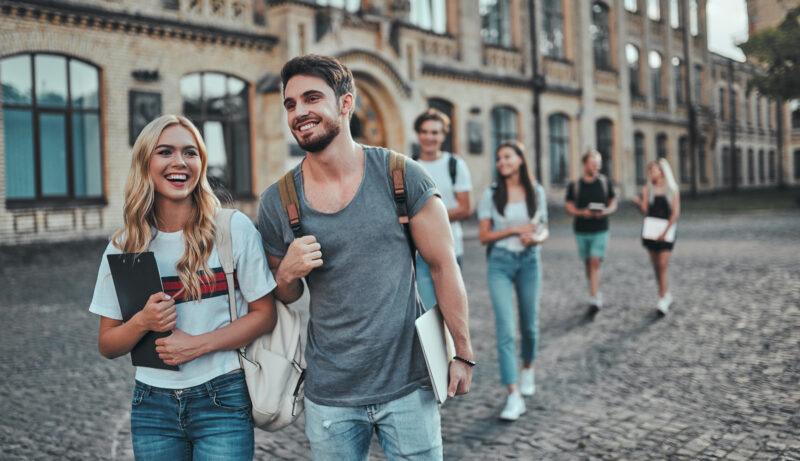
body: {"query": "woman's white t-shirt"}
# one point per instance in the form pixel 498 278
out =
pixel 195 318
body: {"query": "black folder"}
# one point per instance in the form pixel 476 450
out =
pixel 136 278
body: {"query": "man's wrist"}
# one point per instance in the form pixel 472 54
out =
pixel 463 360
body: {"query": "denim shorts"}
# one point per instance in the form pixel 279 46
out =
pixel 592 244
pixel 209 421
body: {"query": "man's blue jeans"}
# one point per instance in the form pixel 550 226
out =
pixel 425 282
pixel 507 272
pixel 407 428
pixel 205 422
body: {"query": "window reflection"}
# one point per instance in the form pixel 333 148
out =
pixel 51 80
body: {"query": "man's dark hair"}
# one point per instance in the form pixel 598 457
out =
pixel 432 114
pixel 335 74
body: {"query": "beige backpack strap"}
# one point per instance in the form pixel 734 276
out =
pixel 290 202
pixel 224 243
pixel 397 176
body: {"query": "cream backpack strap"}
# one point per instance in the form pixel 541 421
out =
pixel 224 242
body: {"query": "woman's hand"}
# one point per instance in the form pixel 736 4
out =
pixel 662 237
pixel 158 314
pixel 528 240
pixel 178 348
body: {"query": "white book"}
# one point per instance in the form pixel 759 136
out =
pixel 654 227
pixel 437 347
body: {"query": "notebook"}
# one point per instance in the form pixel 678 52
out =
pixel 136 278
pixel 438 349
pixel 652 228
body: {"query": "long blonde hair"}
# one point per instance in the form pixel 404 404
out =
pixel 669 179
pixel 139 211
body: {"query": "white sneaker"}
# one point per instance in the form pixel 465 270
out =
pixel 515 407
pixel 527 386
pixel 596 301
pixel 664 303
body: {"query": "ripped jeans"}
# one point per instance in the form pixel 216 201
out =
pixel 407 428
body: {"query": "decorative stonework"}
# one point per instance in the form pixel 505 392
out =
pixel 503 59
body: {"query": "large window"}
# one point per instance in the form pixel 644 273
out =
pixel 51 121
pixel 446 107
pixel 429 15
pixel 677 79
pixel 632 56
pixel 683 159
pixel 751 167
pixel 505 126
pixel 638 158
pixel 605 144
pixel 601 36
pixel 694 23
pixel 762 167
pixel 794 108
pixel 559 148
pixel 674 14
pixel 219 105
pixel 656 74
pixel 632 5
pixel 349 5
pixel 654 9
pixel 661 145
pixel 553 30
pixel 496 22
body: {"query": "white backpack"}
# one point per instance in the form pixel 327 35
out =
pixel 274 363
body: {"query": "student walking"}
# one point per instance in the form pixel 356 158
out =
pixel 202 410
pixel 661 199
pixel 451 177
pixel 591 200
pixel 366 374
pixel 513 222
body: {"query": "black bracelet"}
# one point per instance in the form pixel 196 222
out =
pixel 462 359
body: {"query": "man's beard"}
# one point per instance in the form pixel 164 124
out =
pixel 332 130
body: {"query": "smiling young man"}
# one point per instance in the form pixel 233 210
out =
pixel 452 179
pixel 366 372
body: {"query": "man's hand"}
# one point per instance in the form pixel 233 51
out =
pixel 460 378
pixel 303 255
pixel 177 348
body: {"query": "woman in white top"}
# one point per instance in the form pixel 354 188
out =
pixel 202 410
pixel 661 199
pixel 513 222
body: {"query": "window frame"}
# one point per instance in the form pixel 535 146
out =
pixel 549 30
pixel 69 200
pixel 497 114
pixel 563 142
pixel 501 22
pixel 639 158
pixel 601 44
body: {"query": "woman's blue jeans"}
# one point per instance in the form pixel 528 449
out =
pixel 205 422
pixel 519 272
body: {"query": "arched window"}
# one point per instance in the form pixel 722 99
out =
pixel 219 105
pixel 51 125
pixel 654 10
pixel 558 126
pixel 605 144
pixel 632 56
pixel 638 157
pixel 656 74
pixel 505 126
pixel 661 145
pixel 601 36
pixel 632 5
pixel 429 15
pixel 446 107
pixel 677 78
pixel 674 14
pixel 496 22
pixel 349 5
pixel 694 22
pixel 794 108
pixel 553 29
pixel 683 159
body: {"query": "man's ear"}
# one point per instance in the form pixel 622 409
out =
pixel 346 103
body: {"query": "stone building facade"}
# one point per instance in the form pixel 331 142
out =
pixel 80 78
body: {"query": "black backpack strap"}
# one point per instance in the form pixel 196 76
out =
pixel 453 166
pixel 397 178
pixel 290 202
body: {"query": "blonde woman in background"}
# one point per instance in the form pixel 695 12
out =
pixel 660 199
pixel 202 410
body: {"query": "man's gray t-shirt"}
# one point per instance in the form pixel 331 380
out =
pixel 362 347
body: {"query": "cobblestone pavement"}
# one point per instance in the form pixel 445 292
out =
pixel 718 378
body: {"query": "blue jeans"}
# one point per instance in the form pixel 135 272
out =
pixel 205 422
pixel 425 282
pixel 407 428
pixel 510 271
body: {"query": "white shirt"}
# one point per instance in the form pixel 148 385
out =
pixel 439 170
pixel 195 318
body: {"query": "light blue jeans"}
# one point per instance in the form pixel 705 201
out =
pixel 425 282
pixel 206 422
pixel 507 272
pixel 407 428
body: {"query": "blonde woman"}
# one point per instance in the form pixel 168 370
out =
pixel 203 409
pixel 660 199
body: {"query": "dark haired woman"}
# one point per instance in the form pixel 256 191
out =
pixel 513 221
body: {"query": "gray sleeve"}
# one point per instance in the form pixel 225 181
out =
pixel 272 222
pixel 420 187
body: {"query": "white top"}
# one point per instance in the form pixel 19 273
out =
pixel 439 170
pixel 515 214
pixel 255 281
